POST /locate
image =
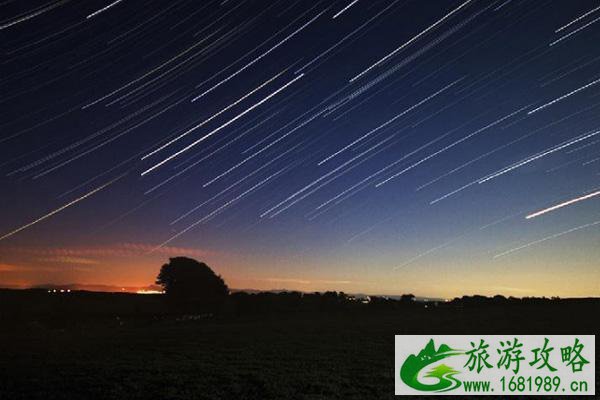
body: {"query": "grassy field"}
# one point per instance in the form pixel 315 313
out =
pixel 318 355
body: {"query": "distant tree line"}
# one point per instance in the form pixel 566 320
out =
pixel 192 286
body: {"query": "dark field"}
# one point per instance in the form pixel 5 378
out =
pixel 52 349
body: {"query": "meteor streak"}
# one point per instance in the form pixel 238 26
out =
pixel 460 189
pixel 344 9
pixel 259 184
pixel 389 121
pixel 591 161
pixel 448 147
pixel 69 204
pixel 265 148
pixel 32 15
pixel 254 61
pixel 272 209
pixel 577 19
pixel 234 184
pixel 536 157
pixel 575 31
pixel 412 40
pixel 561 205
pixel 222 126
pixel 556 235
pixel 364 181
pixel 563 97
pixel 114 3
pixel 214 115
pixel 348 36
pixel 425 253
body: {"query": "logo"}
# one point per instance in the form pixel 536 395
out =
pixel 412 366
pixel 495 365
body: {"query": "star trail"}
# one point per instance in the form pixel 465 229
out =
pixel 397 143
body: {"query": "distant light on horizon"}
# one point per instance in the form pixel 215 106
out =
pixel 143 291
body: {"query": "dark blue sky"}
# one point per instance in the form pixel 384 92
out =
pixel 440 147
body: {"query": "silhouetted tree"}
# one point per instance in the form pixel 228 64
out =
pixel 192 285
pixel 407 298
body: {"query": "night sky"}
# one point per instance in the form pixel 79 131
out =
pixel 435 147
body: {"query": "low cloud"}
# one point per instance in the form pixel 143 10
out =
pixel 68 260
pixel 8 268
pixel 309 282
pixel 166 250
pixel 81 255
pixel 5 268
pixel 512 289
